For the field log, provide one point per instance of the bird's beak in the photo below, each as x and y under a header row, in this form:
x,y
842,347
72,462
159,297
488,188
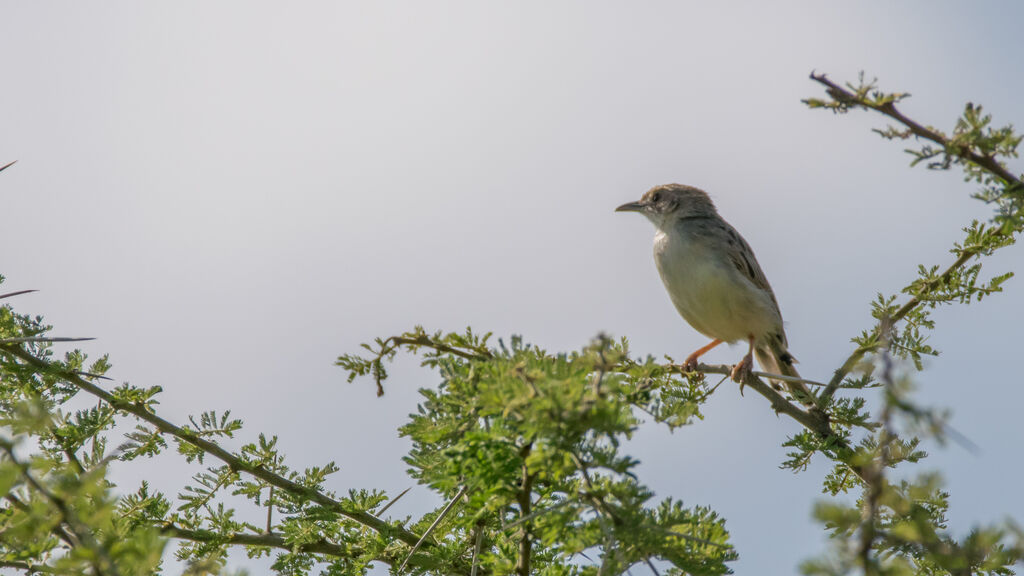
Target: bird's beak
x,y
631,207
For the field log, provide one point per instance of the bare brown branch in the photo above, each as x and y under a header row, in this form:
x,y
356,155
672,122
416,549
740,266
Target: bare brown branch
x,y
889,109
989,163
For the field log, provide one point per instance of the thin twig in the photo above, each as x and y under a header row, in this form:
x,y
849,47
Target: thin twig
x,y
392,343
426,342
277,540
726,370
719,383
784,378
604,513
691,538
533,515
8,165
269,539
433,525
270,510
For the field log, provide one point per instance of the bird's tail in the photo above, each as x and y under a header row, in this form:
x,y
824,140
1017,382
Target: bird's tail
x,y
779,361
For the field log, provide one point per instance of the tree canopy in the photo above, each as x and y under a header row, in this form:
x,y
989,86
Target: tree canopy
x,y
524,446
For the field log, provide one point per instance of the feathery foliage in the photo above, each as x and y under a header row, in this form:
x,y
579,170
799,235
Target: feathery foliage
x,y
526,448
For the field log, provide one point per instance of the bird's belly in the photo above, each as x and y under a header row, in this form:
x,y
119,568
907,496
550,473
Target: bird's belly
x,y
713,297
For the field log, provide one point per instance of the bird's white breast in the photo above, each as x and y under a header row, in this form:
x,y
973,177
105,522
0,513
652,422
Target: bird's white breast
x,y
709,292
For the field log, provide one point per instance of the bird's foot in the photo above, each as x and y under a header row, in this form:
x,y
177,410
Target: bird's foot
x,y
741,371
690,364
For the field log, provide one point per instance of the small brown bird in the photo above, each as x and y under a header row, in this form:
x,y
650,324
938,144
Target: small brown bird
x,y
715,282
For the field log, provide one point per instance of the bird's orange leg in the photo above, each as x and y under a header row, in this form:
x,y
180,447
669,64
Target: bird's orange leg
x,y
690,364
741,371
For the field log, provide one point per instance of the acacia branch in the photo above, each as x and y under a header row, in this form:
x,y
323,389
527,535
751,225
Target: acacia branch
x,y
140,411
814,420
58,530
874,478
270,540
426,342
276,540
984,161
858,354
25,566
389,345
523,499
888,108
448,508
81,534
874,472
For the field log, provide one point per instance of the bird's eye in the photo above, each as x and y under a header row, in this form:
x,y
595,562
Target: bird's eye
x,y
656,197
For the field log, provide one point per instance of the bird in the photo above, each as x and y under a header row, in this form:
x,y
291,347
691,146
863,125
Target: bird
x,y
716,284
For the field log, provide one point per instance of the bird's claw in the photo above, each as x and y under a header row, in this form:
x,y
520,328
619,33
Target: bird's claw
x,y
692,361
741,372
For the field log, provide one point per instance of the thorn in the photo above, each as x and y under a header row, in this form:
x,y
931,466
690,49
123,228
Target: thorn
x,y
41,339
19,292
91,375
437,521
393,500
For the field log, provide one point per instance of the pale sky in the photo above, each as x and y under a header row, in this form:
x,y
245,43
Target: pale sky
x,y
229,195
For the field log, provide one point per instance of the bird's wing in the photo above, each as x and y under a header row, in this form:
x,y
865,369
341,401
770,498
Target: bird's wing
x,y
742,257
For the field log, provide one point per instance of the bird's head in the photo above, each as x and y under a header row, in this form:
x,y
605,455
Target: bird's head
x,y
670,202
